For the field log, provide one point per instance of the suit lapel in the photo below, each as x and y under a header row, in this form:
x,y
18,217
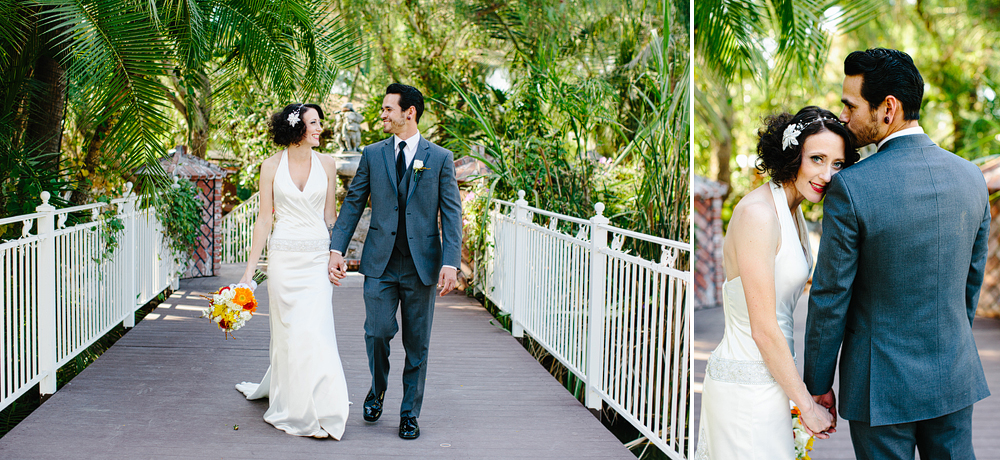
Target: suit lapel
x,y
390,164
421,155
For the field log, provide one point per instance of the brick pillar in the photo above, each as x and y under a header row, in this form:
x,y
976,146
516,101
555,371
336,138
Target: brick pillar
x,y
989,296
217,227
709,274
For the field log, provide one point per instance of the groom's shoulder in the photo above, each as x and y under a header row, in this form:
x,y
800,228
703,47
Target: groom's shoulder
x,y
378,145
436,148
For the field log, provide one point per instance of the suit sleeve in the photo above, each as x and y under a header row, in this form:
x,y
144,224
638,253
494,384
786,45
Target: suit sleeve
x,y
354,205
450,204
830,296
978,266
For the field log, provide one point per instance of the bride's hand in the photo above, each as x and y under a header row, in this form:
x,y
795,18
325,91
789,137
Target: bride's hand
x,y
818,421
246,279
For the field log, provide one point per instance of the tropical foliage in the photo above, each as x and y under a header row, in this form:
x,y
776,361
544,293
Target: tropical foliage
x,y
92,89
750,65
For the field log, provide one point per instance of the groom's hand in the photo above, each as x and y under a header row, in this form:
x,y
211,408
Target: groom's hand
x,y
337,268
829,401
447,280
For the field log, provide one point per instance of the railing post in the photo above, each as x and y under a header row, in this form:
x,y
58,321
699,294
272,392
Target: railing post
x,y
520,268
175,269
127,211
598,287
46,285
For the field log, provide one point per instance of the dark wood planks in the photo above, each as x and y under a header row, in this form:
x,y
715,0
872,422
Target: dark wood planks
x,y
165,390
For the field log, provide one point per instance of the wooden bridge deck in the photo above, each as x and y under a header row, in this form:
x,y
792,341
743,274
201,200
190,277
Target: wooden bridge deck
x,y
708,329
165,390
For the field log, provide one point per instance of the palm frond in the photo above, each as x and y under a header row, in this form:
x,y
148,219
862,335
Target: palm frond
x,y
117,54
727,36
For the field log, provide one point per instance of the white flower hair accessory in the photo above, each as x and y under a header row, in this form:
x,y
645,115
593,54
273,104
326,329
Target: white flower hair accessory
x,y
791,135
293,118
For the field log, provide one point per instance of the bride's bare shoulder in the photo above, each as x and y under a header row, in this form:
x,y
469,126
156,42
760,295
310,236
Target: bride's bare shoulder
x,y
755,212
271,162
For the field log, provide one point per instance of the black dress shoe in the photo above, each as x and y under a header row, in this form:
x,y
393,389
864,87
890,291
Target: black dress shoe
x,y
373,406
408,428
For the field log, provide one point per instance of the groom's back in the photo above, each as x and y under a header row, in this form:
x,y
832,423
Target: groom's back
x,y
920,212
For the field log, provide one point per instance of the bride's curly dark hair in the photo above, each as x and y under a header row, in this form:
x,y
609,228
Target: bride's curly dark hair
x,y
284,134
782,164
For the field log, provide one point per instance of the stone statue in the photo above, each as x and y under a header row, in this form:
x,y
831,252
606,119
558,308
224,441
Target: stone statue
x,y
337,125
349,123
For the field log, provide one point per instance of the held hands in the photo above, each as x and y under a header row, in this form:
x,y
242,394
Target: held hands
x,y
337,268
820,423
447,280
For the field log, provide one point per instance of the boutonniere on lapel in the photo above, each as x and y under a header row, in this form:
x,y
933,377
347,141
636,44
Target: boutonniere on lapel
x,y
418,167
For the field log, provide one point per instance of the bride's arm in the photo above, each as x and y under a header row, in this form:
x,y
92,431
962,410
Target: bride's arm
x,y
330,208
265,217
756,243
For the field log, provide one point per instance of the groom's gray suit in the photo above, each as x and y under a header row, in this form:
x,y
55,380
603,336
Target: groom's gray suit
x,y
897,280
401,264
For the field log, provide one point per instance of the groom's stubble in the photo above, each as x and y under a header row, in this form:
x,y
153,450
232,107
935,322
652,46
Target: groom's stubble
x,y
395,126
866,133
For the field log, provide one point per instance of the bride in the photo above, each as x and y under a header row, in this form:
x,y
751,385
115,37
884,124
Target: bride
x,y
751,375
305,382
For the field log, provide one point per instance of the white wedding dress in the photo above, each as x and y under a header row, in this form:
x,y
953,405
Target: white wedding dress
x,y
744,412
305,382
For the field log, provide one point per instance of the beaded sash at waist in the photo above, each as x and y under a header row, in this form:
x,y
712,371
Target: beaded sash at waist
x,y
737,371
280,244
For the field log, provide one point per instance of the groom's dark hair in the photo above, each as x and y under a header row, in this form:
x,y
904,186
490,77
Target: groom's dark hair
x,y
408,97
887,72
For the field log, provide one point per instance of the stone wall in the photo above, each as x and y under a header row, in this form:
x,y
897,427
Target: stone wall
x,y
708,273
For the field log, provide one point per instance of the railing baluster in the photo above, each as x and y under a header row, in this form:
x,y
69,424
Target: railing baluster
x,y
598,266
46,286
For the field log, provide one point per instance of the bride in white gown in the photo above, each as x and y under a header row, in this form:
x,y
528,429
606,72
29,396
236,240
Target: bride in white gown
x,y
751,375
305,382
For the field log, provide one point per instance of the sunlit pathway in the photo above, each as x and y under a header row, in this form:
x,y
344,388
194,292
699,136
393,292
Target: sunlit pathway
x,y
708,328
165,390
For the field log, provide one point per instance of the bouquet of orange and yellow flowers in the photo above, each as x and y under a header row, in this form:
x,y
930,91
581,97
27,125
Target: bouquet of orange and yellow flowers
x,y
803,440
232,306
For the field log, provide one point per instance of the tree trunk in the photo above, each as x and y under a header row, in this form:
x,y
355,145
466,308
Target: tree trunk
x,y
44,125
199,116
724,152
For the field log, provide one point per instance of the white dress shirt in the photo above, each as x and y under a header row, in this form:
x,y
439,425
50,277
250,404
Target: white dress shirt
x,y
410,150
900,133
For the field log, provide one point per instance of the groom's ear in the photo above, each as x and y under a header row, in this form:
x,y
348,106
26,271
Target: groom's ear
x,y
891,108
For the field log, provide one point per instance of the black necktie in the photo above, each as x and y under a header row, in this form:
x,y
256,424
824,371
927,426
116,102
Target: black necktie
x,y
400,162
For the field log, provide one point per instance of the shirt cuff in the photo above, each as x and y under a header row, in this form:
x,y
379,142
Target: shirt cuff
x,y
336,251
449,266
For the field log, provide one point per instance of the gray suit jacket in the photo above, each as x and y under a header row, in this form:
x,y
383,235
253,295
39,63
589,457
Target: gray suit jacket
x,y
897,281
432,190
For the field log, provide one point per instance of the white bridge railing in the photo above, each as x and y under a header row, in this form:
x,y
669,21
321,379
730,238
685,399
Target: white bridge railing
x,y
60,292
620,323
237,231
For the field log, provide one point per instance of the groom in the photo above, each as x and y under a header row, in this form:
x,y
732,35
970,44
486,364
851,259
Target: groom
x,y
410,181
898,275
